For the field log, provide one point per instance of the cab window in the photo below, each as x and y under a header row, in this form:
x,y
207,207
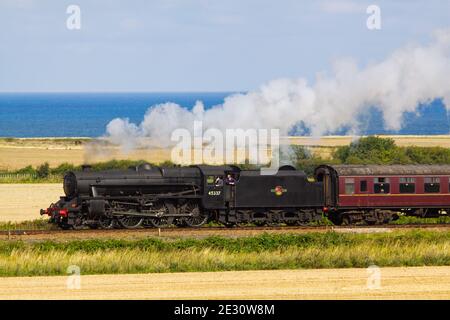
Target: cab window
x,y
218,182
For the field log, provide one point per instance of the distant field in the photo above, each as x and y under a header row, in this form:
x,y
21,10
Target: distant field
x,y
17,153
19,202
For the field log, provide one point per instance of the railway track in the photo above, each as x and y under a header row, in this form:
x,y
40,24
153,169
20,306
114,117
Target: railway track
x,y
199,230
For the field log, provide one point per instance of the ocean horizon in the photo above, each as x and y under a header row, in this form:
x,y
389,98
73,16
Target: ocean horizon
x,y
73,114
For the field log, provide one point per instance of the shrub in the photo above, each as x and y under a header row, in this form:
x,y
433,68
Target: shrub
x,y
43,170
377,150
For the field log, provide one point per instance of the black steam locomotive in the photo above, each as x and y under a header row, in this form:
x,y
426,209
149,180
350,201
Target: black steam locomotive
x,y
149,196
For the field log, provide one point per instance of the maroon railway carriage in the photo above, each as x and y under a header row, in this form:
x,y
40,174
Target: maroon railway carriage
x,y
379,193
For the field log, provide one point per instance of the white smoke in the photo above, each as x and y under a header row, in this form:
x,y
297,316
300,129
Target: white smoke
x,y
408,77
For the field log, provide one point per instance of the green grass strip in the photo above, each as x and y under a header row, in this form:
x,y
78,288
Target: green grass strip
x,y
315,250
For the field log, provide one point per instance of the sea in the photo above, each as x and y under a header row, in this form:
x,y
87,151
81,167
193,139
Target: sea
x,y
87,114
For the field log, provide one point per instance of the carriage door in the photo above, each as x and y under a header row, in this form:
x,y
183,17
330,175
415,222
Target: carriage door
x,y
327,189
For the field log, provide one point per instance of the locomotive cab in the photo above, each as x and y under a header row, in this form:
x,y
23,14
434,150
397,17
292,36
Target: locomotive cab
x,y
218,192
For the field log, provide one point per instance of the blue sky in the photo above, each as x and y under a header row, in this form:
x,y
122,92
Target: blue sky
x,y
196,45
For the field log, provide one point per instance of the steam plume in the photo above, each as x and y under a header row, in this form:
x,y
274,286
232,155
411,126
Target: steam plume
x,y
409,76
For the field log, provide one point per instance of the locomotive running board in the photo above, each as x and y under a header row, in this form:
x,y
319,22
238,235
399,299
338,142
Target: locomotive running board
x,y
149,215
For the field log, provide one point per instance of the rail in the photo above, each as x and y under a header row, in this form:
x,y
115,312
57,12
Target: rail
x,y
243,228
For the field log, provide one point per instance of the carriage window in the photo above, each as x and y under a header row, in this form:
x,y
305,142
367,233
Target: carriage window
x,y
407,185
349,186
432,185
363,186
381,185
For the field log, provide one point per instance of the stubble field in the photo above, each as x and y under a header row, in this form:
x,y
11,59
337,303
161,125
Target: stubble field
x,y
395,283
21,202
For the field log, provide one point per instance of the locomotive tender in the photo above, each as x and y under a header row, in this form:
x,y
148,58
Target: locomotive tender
x,y
150,196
